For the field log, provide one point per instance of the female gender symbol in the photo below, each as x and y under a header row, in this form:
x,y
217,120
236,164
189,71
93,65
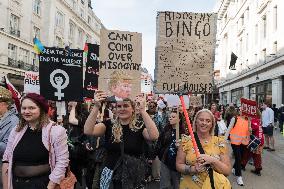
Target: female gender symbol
x,y
58,82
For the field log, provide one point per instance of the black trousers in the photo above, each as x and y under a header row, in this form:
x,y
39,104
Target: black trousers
x,y
238,152
38,182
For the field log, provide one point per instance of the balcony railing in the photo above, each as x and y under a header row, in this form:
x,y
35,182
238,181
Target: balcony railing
x,y
21,65
15,32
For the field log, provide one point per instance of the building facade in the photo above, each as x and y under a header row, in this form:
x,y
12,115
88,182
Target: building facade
x,y
56,23
252,30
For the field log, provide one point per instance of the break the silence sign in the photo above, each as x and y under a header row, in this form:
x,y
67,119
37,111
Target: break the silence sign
x,y
61,74
185,52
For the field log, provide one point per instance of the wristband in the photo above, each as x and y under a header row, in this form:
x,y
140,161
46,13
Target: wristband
x,y
187,169
97,104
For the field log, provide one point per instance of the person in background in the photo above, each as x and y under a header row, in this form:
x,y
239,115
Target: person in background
x,y
125,132
275,110
267,126
28,161
161,120
167,150
78,152
193,170
153,160
239,132
281,117
256,155
217,116
8,120
230,113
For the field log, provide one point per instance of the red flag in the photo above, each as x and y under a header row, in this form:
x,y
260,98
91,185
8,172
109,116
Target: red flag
x,y
86,48
15,94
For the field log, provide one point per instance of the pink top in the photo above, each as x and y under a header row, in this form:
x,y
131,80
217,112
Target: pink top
x,y
257,129
59,151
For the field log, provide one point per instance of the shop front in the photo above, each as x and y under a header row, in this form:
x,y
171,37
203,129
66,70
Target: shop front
x,y
261,92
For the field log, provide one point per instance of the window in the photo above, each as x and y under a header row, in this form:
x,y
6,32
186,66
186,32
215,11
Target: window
x,y
264,23
255,58
71,30
36,7
247,42
275,19
264,55
14,24
59,20
82,12
80,37
24,55
58,42
274,48
73,3
89,20
35,62
12,51
88,39
83,2
256,34
36,32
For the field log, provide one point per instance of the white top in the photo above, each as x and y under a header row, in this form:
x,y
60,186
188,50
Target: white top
x,y
267,117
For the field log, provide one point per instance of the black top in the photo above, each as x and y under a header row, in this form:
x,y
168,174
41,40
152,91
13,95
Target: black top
x,y
133,143
30,150
166,146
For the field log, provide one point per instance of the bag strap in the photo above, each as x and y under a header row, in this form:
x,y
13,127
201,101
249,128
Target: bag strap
x,y
201,150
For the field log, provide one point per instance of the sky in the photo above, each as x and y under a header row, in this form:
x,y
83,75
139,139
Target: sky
x,y
140,16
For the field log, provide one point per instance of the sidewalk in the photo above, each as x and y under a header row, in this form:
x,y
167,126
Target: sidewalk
x,y
273,169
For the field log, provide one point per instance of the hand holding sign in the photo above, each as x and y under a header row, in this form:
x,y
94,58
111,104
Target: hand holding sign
x,y
140,103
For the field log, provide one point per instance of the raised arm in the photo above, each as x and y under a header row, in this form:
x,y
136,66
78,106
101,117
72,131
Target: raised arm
x,y
151,132
91,127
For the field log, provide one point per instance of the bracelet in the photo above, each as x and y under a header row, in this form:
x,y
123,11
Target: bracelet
x,y
187,169
5,161
97,104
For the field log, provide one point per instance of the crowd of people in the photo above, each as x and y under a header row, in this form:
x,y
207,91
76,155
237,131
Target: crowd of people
x,y
128,143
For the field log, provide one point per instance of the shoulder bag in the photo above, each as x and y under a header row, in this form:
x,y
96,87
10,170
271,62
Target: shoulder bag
x,y
68,182
214,180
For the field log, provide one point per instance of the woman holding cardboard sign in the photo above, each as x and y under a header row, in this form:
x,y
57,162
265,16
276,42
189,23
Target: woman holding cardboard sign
x,y
194,170
124,141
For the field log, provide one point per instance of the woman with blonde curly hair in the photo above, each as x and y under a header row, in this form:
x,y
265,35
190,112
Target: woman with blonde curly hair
x,y
126,134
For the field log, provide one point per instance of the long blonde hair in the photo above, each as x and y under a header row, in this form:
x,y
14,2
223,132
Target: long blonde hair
x,y
212,120
134,124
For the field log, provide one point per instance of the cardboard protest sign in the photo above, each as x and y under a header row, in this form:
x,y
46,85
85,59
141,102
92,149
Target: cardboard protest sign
x,y
248,107
195,101
31,82
185,52
120,61
92,71
61,74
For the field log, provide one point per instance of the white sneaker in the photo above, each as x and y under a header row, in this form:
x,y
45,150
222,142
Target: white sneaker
x,y
233,171
240,181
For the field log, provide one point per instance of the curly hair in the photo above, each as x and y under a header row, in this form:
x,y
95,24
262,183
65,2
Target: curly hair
x,y
43,119
134,124
212,120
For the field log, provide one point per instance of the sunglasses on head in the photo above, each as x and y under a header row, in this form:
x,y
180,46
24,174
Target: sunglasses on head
x,y
122,105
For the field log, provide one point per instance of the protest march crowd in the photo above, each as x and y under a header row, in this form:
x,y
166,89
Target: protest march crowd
x,y
51,137
126,144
